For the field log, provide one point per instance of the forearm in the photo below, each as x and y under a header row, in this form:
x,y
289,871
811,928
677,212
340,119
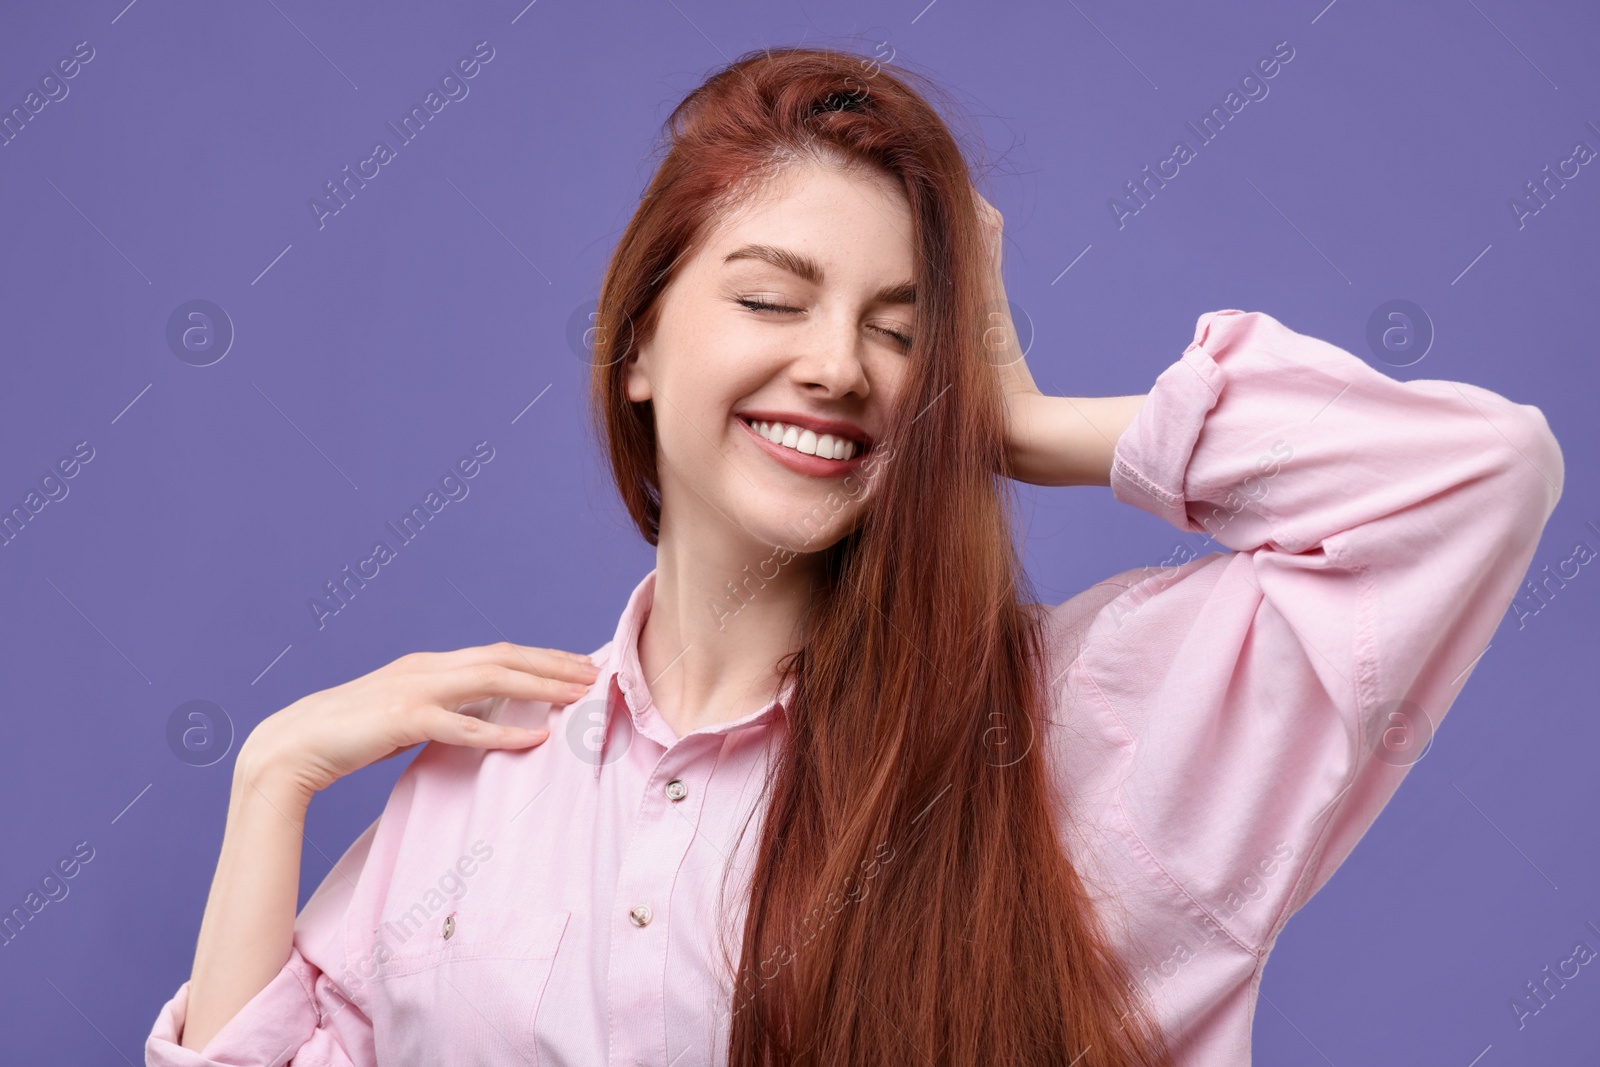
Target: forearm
x,y
1060,440
248,926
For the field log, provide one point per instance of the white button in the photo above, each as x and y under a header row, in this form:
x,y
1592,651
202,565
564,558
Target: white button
x,y
676,790
640,915
449,926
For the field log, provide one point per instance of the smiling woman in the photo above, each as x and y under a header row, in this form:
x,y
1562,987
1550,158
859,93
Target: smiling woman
x,y
827,276
987,830
778,342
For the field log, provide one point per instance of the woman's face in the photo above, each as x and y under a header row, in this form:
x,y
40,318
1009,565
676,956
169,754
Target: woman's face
x,y
831,251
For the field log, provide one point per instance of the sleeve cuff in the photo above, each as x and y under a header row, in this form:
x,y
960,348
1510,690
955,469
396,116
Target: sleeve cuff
x,y
266,1032
1151,457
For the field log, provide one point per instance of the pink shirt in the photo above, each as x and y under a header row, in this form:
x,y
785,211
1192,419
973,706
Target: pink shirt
x,y
1226,728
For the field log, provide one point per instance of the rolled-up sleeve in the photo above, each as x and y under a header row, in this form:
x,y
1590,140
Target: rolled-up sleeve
x,y
302,1016
1276,694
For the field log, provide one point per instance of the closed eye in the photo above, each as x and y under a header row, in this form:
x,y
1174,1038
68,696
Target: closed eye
x,y
761,305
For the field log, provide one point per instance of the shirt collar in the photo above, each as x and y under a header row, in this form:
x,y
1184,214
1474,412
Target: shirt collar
x,y
622,680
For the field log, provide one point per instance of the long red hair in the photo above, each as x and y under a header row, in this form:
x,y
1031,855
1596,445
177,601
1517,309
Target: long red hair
x,y
911,898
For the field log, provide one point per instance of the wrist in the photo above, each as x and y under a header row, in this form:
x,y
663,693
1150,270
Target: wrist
x,y
259,773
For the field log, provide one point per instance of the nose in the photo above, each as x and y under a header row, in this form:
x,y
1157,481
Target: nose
x,y
829,360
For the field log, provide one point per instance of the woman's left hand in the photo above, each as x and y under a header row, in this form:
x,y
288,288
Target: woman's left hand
x,y
1049,440
1000,342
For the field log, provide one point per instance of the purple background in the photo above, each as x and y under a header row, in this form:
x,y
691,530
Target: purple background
x,y
371,354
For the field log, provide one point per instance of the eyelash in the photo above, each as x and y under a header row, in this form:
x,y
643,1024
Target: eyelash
x,y
762,305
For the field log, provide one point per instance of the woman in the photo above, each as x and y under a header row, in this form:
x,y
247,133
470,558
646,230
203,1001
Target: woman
x,y
837,792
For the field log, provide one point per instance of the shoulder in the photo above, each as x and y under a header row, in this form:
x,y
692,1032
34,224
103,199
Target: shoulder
x,y
447,787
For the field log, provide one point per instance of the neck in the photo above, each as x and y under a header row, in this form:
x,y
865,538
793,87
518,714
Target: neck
x,y
723,614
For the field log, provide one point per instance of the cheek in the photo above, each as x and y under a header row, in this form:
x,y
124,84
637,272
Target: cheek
x,y
697,440
892,378
681,434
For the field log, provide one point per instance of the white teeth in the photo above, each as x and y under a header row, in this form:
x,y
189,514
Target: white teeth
x,y
807,441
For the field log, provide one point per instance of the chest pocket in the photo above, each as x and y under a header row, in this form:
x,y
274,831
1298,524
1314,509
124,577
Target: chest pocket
x,y
470,998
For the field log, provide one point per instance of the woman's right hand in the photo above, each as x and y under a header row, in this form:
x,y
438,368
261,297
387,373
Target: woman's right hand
x,y
322,737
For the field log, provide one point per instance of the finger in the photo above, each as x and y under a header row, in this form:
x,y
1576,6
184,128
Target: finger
x,y
465,684
453,729
545,662
530,657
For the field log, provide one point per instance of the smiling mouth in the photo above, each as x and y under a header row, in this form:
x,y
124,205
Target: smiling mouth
x,y
807,442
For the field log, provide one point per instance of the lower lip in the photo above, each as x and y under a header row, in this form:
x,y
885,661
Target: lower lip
x,y
799,462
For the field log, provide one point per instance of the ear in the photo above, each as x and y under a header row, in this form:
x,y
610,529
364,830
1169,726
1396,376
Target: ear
x,y
635,377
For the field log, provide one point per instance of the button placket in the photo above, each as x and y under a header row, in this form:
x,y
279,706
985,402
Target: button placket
x,y
659,844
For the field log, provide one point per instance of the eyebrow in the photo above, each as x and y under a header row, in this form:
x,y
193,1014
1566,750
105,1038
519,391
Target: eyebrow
x,y
808,269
